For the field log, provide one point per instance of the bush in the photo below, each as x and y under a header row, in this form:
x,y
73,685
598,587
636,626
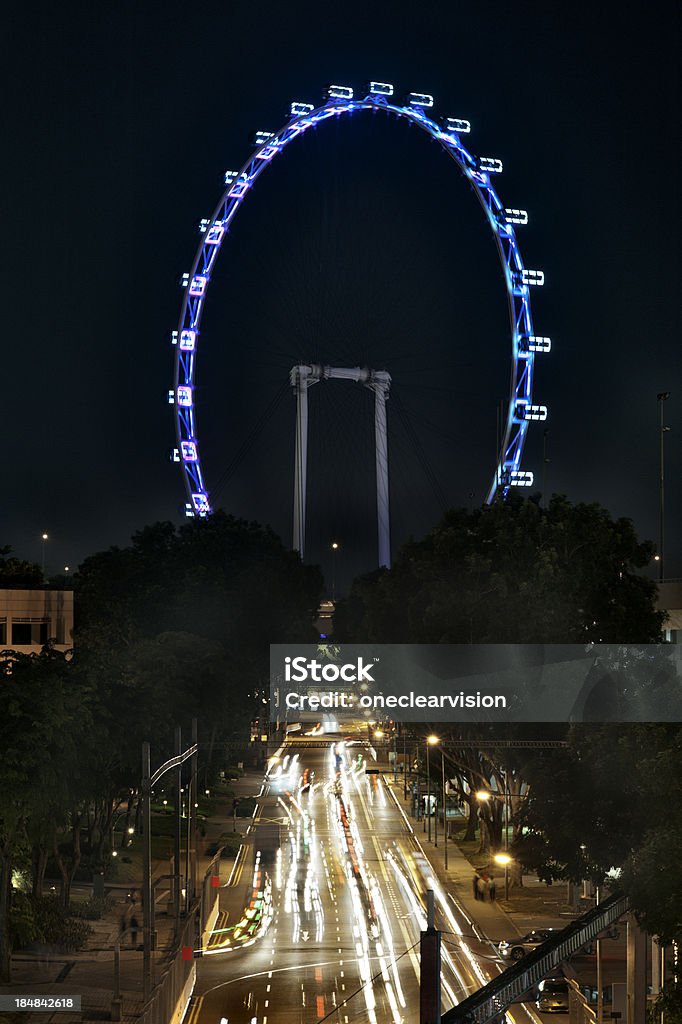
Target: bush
x,y
92,909
54,926
245,806
23,928
231,841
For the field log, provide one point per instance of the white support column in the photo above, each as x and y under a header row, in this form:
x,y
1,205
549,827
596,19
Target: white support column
x,y
636,971
301,378
380,383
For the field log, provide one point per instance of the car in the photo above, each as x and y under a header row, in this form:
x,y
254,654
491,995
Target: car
x,y
516,949
553,995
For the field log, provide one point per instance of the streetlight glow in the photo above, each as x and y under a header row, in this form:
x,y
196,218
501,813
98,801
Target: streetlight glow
x,y
482,794
502,858
431,740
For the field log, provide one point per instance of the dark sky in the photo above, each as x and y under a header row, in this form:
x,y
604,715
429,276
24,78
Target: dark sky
x,y
361,245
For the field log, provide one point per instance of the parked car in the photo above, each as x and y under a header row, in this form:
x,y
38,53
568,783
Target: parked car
x,y
515,949
553,995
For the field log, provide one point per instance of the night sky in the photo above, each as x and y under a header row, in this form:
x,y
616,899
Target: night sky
x,y
361,245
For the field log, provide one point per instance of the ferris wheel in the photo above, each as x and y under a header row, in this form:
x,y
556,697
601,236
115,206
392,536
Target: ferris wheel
x,y
416,108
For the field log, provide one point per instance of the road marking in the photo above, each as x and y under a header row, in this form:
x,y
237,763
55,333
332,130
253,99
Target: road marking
x,y
195,1010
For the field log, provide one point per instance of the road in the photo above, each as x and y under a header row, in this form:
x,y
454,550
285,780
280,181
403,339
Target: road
x,y
333,881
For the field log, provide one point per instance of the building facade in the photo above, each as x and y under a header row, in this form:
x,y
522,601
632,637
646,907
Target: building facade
x,y
29,617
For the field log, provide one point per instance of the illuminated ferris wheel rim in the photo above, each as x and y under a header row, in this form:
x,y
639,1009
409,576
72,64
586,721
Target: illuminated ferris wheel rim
x,y
518,279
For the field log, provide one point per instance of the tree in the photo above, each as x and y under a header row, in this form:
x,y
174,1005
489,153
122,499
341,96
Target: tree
x,y
43,714
15,572
611,799
511,572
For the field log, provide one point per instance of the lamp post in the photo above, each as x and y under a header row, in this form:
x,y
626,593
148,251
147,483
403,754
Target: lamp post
x,y
43,538
430,742
484,795
335,548
505,859
662,397
445,808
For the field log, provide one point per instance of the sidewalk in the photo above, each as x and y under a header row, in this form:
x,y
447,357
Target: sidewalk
x,y
90,972
535,905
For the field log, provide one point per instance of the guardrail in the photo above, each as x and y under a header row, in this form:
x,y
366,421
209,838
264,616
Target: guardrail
x,y
169,999
493,999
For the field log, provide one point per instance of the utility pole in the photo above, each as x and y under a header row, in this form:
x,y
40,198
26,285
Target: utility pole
x,y
445,809
147,872
178,829
429,976
662,397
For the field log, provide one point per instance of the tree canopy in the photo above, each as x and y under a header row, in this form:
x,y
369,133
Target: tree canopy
x,y
511,572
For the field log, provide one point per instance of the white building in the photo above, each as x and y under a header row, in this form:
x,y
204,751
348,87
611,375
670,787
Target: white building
x,y
29,617
670,601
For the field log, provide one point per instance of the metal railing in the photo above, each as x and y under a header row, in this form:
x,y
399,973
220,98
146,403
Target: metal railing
x,y
493,999
163,1005
209,897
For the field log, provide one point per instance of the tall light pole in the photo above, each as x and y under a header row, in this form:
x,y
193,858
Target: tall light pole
x,y
445,808
501,858
662,397
505,859
43,538
335,548
430,742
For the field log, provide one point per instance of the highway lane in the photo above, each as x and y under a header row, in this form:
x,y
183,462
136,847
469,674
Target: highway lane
x,y
336,881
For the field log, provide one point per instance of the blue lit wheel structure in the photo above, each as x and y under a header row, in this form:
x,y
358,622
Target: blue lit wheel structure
x,y
518,279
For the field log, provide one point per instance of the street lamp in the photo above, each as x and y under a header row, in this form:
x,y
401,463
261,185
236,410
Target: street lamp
x,y
335,548
430,742
483,795
662,397
43,538
504,858
445,807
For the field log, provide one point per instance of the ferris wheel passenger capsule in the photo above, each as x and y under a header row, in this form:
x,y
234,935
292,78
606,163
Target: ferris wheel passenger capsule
x,y
534,278
215,233
299,109
198,285
513,216
259,138
201,503
419,99
338,92
535,412
188,451
380,89
184,396
521,478
490,164
188,340
457,124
